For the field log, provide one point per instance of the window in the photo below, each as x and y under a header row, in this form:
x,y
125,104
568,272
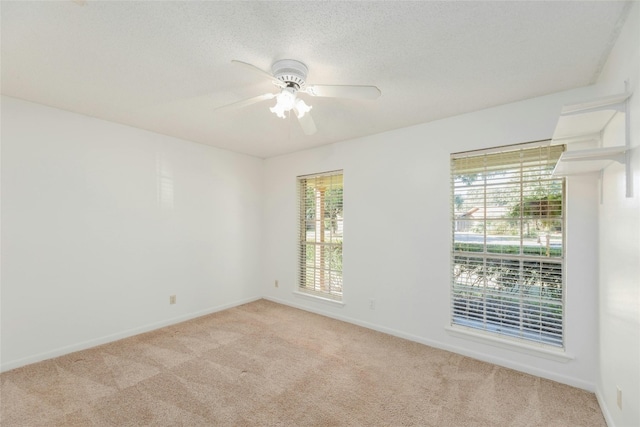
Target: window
x,y
320,234
508,242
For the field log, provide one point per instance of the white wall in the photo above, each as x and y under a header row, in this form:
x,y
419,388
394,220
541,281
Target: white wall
x,y
397,232
102,222
619,289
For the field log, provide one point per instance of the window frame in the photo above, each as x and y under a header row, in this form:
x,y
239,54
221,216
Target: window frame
x,y
491,329
325,279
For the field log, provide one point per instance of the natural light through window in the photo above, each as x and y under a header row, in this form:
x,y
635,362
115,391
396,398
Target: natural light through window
x,y
320,234
508,243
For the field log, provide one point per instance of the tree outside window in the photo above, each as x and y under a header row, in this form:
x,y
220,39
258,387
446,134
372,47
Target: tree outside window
x,y
508,239
320,236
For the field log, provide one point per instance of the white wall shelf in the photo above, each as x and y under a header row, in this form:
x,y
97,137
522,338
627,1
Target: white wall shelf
x,y
586,122
587,161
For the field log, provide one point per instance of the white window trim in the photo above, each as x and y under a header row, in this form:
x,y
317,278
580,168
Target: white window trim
x,y
313,294
523,345
526,347
312,297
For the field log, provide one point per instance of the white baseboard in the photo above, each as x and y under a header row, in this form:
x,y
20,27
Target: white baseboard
x,y
118,336
604,408
574,382
436,344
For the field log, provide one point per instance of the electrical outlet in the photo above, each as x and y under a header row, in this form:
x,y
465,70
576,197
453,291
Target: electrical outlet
x,y
276,284
372,304
619,397
172,299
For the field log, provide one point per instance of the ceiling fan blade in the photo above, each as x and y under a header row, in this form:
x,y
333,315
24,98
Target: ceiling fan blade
x,y
261,72
343,91
307,124
247,102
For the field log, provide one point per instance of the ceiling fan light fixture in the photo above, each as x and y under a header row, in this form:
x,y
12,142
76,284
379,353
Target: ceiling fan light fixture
x,y
302,108
290,76
278,110
286,101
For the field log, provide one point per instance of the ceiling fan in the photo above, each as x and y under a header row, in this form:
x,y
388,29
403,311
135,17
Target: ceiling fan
x,y
290,76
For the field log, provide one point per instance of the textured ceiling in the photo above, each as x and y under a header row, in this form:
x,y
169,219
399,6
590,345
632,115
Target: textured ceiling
x,y
166,66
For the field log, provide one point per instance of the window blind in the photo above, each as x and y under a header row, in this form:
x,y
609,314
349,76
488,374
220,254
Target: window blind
x,y
320,201
508,242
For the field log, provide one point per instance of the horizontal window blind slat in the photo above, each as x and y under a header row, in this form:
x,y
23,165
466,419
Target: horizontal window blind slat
x,y
320,201
507,211
520,159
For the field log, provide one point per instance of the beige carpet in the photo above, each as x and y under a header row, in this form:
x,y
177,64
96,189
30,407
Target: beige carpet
x,y
265,364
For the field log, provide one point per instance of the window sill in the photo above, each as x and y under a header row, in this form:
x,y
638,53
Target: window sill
x,y
318,298
558,355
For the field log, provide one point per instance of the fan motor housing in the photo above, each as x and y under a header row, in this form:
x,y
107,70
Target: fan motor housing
x,y
291,72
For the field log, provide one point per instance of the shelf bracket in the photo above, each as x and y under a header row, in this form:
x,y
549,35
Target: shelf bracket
x,y
586,122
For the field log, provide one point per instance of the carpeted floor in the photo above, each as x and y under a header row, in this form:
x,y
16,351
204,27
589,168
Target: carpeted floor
x,y
265,364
